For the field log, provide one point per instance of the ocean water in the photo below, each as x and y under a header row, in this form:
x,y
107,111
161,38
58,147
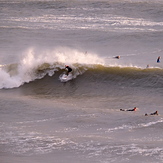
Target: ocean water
x,y
45,120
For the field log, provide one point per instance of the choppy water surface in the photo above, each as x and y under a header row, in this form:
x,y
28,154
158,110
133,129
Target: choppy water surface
x,y
43,119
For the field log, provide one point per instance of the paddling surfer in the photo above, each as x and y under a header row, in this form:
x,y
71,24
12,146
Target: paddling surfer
x,y
117,57
134,109
155,113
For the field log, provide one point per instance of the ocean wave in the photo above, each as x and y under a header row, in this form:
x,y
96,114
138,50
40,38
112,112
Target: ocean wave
x,y
33,66
15,75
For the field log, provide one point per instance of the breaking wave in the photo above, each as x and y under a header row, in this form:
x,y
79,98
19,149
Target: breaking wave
x,y
52,63
33,66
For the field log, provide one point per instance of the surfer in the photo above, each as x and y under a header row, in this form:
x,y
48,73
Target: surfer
x,y
69,69
158,59
134,109
155,113
117,57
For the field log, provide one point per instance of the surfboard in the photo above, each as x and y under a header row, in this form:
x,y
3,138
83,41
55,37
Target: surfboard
x,y
65,78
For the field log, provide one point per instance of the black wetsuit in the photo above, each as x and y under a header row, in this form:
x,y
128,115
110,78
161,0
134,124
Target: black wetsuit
x,y
127,110
158,60
69,69
155,113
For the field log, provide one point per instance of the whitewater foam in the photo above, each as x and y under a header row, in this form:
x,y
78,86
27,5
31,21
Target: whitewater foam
x,y
52,60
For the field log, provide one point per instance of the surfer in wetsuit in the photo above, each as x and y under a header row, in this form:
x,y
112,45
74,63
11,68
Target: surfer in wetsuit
x,y
134,109
155,113
69,69
158,59
118,57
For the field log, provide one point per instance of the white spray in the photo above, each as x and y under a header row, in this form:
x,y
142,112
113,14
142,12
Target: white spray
x,y
25,71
